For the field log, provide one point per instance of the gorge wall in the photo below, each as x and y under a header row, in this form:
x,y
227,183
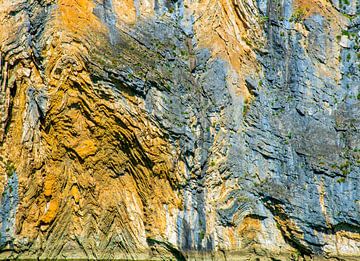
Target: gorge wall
x,y
164,129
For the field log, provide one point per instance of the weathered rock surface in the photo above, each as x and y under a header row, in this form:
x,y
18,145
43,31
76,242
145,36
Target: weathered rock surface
x,y
215,129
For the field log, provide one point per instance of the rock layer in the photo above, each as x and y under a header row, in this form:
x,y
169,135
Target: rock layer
x,y
216,129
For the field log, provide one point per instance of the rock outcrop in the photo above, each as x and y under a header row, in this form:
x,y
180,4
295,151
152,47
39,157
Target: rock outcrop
x,y
215,129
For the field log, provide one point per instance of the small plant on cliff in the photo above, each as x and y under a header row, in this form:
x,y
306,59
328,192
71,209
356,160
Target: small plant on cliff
x,y
183,52
341,180
289,135
346,33
10,168
298,15
345,168
296,256
171,9
348,57
245,110
247,41
202,235
263,19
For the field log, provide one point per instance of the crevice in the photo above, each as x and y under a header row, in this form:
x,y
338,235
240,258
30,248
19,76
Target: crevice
x,y
169,247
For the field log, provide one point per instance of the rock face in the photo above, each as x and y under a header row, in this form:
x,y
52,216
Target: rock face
x,y
215,129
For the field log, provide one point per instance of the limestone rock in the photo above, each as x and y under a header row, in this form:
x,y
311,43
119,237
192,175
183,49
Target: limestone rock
x,y
216,129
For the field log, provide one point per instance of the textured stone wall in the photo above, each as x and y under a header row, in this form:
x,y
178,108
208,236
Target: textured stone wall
x,y
215,129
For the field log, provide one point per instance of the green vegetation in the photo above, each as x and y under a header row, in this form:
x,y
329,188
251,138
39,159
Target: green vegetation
x,y
263,19
356,149
351,17
289,135
245,109
348,57
279,111
297,255
183,52
298,15
341,180
171,9
247,41
346,33
201,235
345,168
10,168
168,87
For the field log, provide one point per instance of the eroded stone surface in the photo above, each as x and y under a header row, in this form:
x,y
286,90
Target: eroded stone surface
x,y
220,129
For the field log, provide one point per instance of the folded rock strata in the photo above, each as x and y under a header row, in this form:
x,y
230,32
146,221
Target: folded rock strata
x,y
215,129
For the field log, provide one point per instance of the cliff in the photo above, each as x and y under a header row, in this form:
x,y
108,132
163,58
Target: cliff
x,y
212,129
